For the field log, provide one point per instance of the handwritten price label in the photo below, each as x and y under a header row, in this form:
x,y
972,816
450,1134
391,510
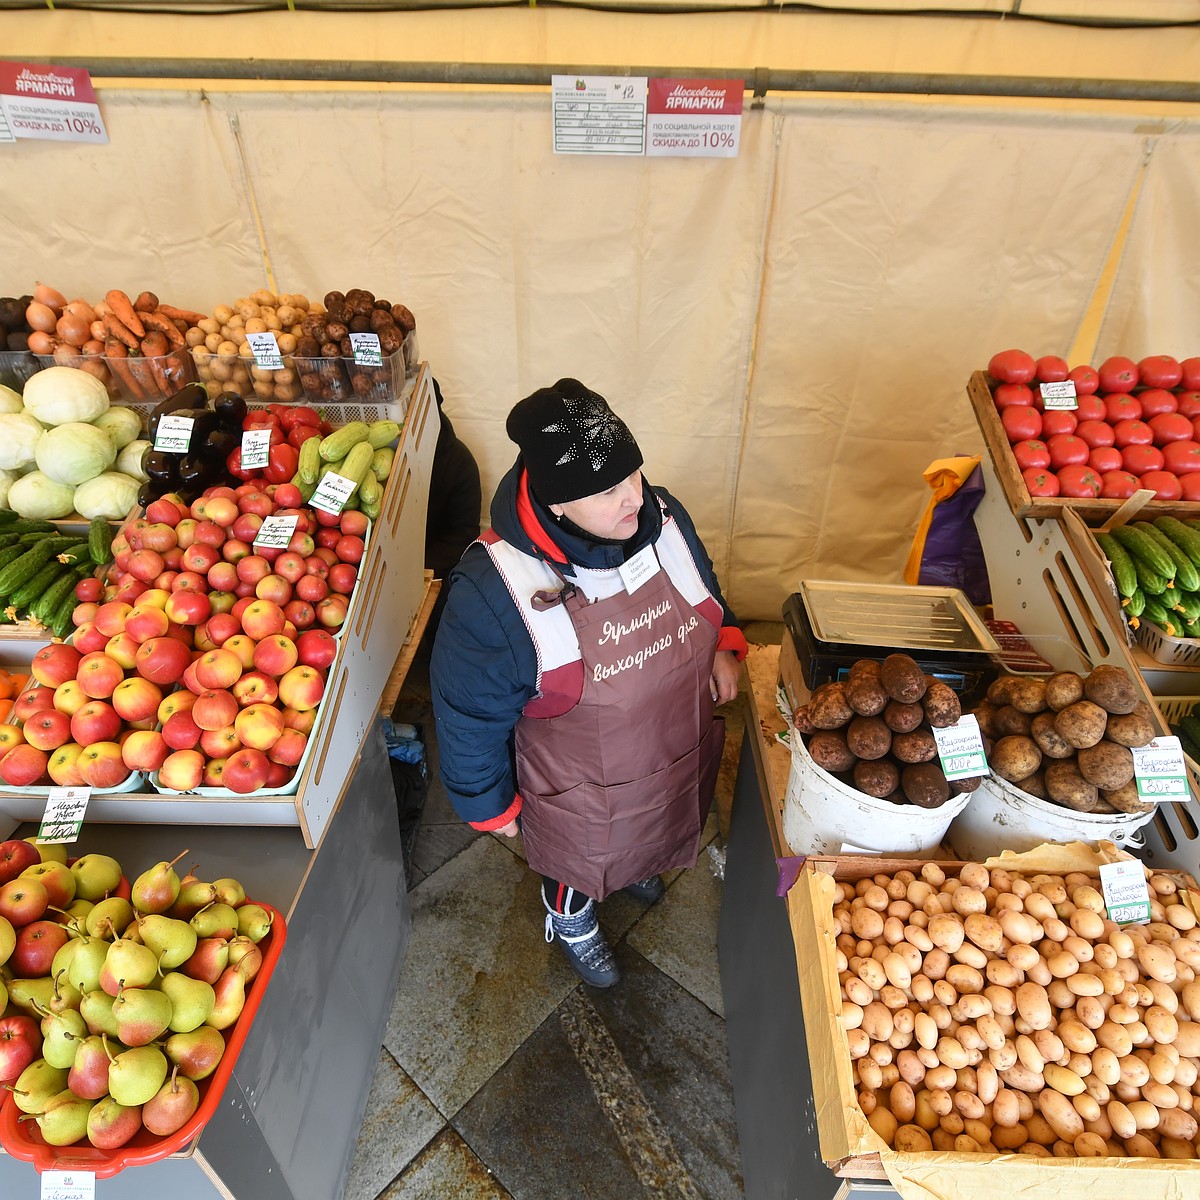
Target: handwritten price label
x,y
1160,772
366,349
1059,395
276,532
1126,894
960,748
266,350
63,815
68,1185
332,493
256,448
174,434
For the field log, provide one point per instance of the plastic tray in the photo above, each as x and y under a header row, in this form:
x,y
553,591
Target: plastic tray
x,y
17,367
134,380
22,1139
1163,648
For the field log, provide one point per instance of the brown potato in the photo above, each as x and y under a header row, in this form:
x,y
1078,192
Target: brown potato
x,y
1062,689
1051,743
925,785
1067,787
941,704
879,778
985,714
868,737
1106,764
1015,757
1126,799
902,678
1112,689
915,747
828,708
903,718
1028,695
1131,729
1009,721
1034,785
864,693
1081,724
959,787
800,720
1000,689
829,750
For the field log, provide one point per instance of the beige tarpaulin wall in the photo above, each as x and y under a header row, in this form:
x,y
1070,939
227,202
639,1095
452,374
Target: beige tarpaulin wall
x,y
789,333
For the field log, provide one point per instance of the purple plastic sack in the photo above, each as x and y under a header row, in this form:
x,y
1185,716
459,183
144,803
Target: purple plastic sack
x,y
953,555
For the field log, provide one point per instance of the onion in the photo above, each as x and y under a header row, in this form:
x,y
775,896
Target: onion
x,y
93,347
97,331
43,293
81,308
40,342
65,355
41,316
72,328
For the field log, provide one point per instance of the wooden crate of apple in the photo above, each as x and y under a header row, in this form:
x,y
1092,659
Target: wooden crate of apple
x,y
189,600
118,997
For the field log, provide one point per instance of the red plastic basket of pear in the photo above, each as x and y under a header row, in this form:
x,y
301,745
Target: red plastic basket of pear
x,y
128,1005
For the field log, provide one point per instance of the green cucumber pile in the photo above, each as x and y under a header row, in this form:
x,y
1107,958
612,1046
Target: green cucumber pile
x,y
1187,730
357,451
40,566
1156,567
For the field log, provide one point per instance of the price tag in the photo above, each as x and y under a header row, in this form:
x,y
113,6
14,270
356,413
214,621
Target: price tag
x,y
65,809
366,349
332,493
256,448
1159,771
960,748
174,433
276,531
1125,892
1059,395
68,1185
266,351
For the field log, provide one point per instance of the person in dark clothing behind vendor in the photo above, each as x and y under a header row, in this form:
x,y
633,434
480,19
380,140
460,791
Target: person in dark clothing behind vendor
x,y
455,504
585,638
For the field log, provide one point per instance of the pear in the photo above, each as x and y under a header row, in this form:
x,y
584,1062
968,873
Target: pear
x,y
65,995
64,1118
83,971
230,991
191,1001
96,1008
172,1106
245,954
96,876
229,891
155,890
193,896
109,918
210,958
110,1124
254,921
28,995
136,1074
61,1033
63,956
130,963
77,911
197,1053
215,920
36,1084
88,1076
141,1015
173,941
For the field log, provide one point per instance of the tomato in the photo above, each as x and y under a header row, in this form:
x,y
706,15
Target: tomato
x,y
1087,380
1160,371
1140,458
1164,484
1040,483
1067,450
1080,481
1118,485
1021,424
299,414
1181,457
1190,486
1058,420
300,434
1095,433
282,465
1091,408
1190,368
1189,403
1120,407
1008,394
1157,401
1031,454
1012,366
1051,369
1105,458
1171,427
1118,374
1132,433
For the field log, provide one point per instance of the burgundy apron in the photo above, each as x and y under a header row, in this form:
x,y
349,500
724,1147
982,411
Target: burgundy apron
x,y
618,788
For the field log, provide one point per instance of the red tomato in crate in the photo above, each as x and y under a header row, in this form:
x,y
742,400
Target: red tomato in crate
x,y
1040,483
1165,485
1190,486
260,418
1140,458
1032,453
1051,369
1190,367
1021,423
1067,450
1118,485
1189,403
1120,407
1105,458
1156,401
1079,481
1012,366
1183,458
1171,427
1008,394
1091,408
1160,371
1086,379
1058,420
1118,374
1095,433
1132,433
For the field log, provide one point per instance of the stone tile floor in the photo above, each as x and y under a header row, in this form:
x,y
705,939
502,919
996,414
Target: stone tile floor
x,y
501,1075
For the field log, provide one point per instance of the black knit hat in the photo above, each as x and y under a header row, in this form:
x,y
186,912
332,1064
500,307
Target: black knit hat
x,y
573,444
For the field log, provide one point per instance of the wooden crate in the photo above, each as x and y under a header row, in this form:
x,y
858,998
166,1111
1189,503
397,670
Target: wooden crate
x,y
1022,504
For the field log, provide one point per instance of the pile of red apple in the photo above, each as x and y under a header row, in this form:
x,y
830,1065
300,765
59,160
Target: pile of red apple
x,y
201,657
1137,425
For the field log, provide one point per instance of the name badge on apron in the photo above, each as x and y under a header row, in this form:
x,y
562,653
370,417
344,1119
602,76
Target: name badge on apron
x,y
642,566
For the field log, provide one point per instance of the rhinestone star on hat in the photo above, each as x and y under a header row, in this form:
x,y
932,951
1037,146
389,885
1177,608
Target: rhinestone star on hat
x,y
597,430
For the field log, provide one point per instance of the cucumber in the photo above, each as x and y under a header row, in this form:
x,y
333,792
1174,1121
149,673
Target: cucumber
x,y
340,442
1146,549
10,554
99,541
1135,603
47,604
1151,583
1190,724
7,516
1186,575
22,569
1188,744
1157,615
1188,540
37,583
1186,604
1124,574
76,554
28,525
60,621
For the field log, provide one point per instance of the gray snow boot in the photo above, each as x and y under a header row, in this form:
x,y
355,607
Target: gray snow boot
x,y
647,890
583,943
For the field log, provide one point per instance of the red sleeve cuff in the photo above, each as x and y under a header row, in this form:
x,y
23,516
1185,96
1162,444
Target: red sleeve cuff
x,y
732,638
509,814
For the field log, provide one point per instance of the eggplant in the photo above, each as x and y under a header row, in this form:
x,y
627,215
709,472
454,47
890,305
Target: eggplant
x,y
231,410
148,493
194,471
220,443
160,466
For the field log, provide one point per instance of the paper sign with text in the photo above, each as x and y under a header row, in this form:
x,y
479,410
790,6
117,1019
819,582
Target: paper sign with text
x,y
49,103
332,492
1160,772
366,349
256,448
276,531
960,748
68,1185
267,355
64,813
174,433
694,118
1059,395
599,114
1126,894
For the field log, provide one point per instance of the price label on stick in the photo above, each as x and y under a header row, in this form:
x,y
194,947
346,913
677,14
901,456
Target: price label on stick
x,y
960,748
266,351
1126,895
64,813
174,433
366,349
276,532
256,448
1059,395
68,1185
333,491
1159,771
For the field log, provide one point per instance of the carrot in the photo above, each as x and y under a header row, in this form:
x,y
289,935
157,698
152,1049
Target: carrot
x,y
146,302
117,357
154,320
123,308
180,314
154,344
115,328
